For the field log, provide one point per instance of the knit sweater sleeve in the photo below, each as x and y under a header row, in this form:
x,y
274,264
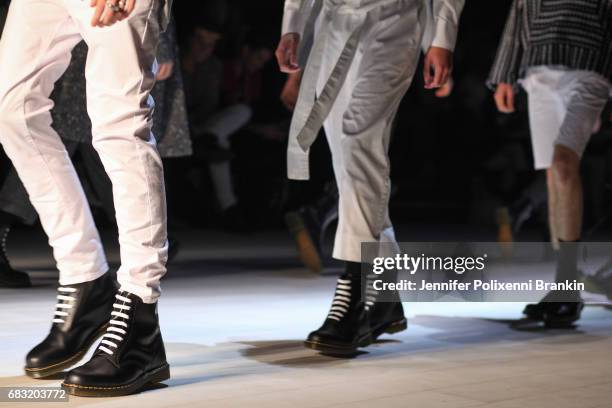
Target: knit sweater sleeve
x,y
510,52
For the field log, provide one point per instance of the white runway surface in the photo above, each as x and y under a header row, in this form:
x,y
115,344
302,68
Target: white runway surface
x,y
233,326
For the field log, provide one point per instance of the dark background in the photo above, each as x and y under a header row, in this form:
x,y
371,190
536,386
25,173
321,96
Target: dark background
x,y
455,161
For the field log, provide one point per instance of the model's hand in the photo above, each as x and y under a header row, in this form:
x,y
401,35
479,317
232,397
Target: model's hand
x,y
438,67
504,98
445,90
291,90
104,15
164,70
286,53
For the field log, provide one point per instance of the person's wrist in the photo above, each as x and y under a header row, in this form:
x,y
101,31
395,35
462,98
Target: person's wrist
x,y
294,78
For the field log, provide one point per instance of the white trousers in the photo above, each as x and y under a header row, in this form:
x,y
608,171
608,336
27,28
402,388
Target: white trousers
x,y
34,52
358,126
564,106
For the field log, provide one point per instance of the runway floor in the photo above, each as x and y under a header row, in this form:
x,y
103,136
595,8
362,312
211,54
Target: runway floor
x,y
235,310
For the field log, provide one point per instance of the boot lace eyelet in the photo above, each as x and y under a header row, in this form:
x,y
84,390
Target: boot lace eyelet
x,y
65,303
117,329
342,300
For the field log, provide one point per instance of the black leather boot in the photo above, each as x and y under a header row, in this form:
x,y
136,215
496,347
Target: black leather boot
x,y
559,309
555,314
385,316
9,277
346,327
80,319
130,356
352,322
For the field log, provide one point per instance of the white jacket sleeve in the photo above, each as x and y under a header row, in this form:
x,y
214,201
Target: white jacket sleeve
x,y
445,14
295,16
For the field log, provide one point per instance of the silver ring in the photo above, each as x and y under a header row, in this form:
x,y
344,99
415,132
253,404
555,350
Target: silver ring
x,y
113,7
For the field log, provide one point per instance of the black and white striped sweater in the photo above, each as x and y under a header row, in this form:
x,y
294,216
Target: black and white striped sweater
x,y
576,34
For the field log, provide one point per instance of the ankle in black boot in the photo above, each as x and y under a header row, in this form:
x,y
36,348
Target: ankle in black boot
x,y
558,309
80,319
385,317
346,327
9,277
555,314
130,356
352,323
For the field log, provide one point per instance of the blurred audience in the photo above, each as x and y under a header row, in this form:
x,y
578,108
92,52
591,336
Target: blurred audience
x,y
222,93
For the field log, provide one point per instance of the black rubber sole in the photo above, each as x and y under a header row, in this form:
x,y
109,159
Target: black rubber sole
x,y
150,378
42,372
337,350
391,328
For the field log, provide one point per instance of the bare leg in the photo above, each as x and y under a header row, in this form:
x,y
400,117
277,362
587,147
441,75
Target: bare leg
x,y
567,189
567,217
552,209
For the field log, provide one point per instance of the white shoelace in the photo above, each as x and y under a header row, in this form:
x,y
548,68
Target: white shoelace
x,y
370,293
342,300
65,303
117,327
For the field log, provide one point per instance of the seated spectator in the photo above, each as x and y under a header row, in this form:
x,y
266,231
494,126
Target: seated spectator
x,y
220,96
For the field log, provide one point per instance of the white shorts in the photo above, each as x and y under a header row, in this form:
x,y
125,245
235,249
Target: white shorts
x,y
564,106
